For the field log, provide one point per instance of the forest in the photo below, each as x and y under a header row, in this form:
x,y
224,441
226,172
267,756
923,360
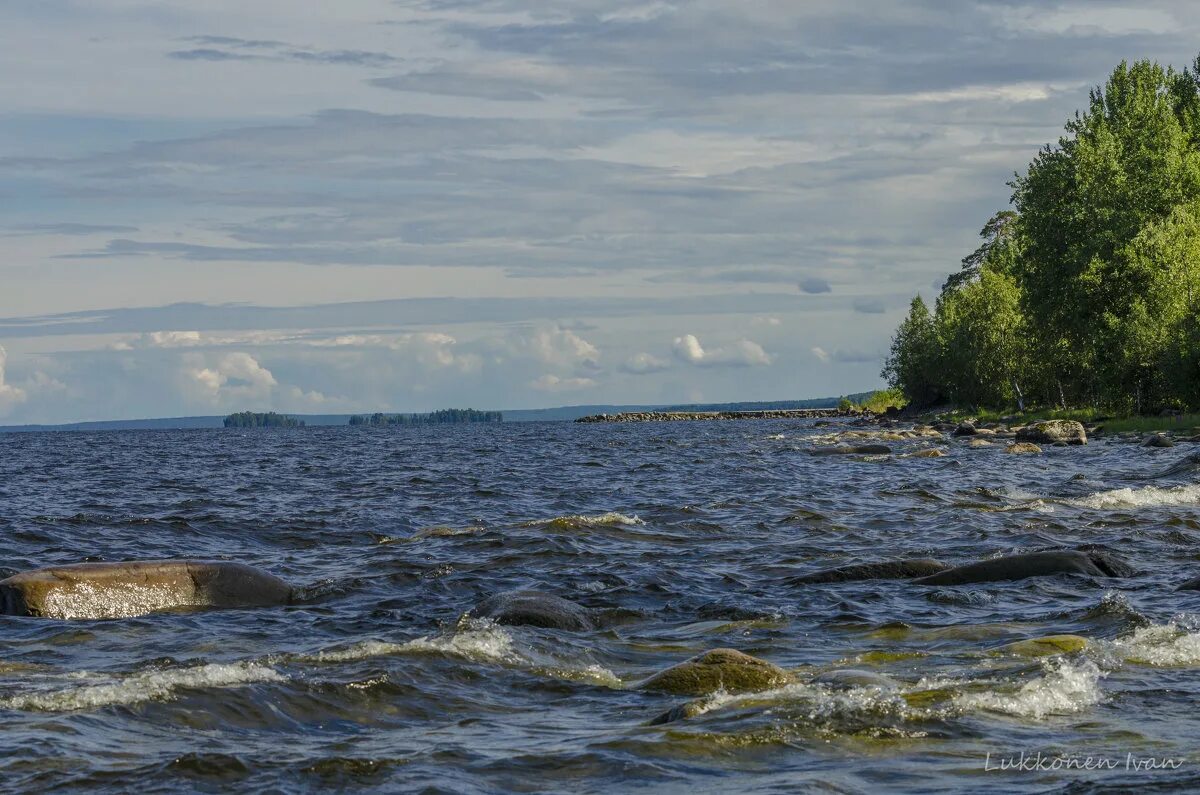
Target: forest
x,y
1082,294
269,419
441,417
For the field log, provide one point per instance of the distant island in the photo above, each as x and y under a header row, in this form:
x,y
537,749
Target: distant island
x,y
442,417
269,419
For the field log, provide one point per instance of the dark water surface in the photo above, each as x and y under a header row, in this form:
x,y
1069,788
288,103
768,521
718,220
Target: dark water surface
x,y
688,532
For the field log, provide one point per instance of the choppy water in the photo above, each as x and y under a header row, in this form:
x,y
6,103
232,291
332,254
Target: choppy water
x,y
690,531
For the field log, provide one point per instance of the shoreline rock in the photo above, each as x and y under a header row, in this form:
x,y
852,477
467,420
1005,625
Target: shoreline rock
x,y
676,416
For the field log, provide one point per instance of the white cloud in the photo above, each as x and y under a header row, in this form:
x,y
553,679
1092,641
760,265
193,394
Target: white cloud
x,y
643,363
235,376
821,354
172,339
743,353
10,395
558,346
554,383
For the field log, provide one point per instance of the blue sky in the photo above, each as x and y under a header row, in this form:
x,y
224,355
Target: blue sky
x,y
416,204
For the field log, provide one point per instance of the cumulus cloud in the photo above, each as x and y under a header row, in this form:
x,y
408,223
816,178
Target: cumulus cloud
x,y
558,346
814,285
743,353
234,376
553,383
10,395
643,363
821,354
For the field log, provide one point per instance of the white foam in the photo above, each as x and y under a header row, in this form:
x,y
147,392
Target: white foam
x,y
1065,688
477,639
143,686
609,518
1148,496
1158,645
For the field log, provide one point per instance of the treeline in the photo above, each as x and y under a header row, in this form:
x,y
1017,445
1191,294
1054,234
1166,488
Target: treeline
x,y
444,416
1083,294
252,419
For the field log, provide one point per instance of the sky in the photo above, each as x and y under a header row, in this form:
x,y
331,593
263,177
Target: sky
x,y
410,205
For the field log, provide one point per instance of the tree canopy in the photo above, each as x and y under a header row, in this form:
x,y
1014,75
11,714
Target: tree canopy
x,y
1083,293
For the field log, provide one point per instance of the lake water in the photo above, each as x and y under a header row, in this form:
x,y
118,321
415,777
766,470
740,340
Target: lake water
x,y
688,534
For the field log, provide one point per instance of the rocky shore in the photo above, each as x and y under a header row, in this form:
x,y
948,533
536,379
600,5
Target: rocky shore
x,y
674,416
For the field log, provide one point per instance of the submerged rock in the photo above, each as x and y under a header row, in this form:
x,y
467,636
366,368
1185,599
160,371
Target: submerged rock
x,y
1158,440
854,449
1053,432
534,609
1023,448
720,669
848,678
979,443
1032,564
123,590
880,570
965,428
1045,647
933,452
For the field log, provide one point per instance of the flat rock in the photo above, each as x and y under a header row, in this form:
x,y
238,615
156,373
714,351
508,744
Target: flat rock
x,y
854,449
879,570
1032,564
124,590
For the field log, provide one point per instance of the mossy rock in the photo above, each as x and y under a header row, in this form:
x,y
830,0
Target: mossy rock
x,y
720,669
1025,448
1045,647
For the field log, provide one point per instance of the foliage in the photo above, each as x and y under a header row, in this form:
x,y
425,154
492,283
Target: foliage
x,y
845,405
1085,293
880,401
442,417
251,419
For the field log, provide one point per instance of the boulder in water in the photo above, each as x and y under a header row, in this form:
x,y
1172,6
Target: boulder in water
x,y
534,609
979,443
965,428
932,452
848,678
854,449
880,570
719,669
1053,432
1023,448
1158,440
1032,564
135,588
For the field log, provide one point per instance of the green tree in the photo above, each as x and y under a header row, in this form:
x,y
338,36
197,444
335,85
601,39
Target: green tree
x,y
1125,164
912,364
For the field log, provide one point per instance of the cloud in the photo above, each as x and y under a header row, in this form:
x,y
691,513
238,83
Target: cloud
x,y
869,306
557,346
554,383
234,376
643,363
228,48
821,354
743,353
10,395
843,356
814,285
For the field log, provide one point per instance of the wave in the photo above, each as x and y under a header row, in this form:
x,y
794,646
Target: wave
x,y
480,640
577,519
1066,687
1161,645
1148,496
143,686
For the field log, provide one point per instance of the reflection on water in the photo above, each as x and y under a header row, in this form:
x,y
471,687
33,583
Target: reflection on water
x,y
685,537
